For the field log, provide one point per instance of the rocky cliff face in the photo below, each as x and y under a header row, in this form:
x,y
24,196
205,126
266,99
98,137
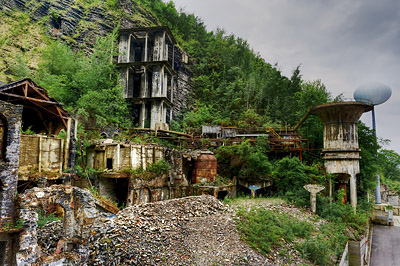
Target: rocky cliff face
x,y
79,23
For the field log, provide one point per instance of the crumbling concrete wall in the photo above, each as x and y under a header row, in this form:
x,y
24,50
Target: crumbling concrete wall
x,y
119,160
79,210
11,116
40,154
118,157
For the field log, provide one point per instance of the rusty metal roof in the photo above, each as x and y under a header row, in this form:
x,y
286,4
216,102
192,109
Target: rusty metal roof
x,y
28,94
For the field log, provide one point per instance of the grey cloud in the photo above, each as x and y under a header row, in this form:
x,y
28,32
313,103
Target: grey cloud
x,y
344,43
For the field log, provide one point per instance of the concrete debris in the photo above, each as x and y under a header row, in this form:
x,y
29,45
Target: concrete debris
x,y
168,233
48,237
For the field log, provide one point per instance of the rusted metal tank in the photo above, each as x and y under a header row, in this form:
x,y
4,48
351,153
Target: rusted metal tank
x,y
205,168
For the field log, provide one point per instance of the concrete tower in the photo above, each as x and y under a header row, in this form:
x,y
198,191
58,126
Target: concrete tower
x,y
341,151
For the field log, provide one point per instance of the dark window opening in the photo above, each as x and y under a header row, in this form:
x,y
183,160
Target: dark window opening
x,y
150,85
169,88
222,194
147,121
137,81
109,163
138,53
170,53
168,116
24,185
150,46
131,84
121,186
135,114
3,247
32,121
187,169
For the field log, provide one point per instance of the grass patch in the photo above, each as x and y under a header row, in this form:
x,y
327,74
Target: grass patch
x,y
43,219
264,229
318,240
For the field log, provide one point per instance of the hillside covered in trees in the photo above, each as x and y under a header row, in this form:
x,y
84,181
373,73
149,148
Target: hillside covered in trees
x,y
70,48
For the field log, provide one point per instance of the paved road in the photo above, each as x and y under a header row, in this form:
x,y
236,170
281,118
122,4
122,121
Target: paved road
x,y
385,246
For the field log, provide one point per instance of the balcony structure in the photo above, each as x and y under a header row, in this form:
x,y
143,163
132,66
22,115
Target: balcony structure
x,y
146,60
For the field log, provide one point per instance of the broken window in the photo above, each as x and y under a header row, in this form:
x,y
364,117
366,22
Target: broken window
x,y
135,114
137,81
109,163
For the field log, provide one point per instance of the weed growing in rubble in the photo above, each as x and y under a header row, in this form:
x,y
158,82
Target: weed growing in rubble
x,y
43,219
153,170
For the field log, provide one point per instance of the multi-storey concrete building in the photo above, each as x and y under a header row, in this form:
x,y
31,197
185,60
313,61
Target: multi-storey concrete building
x,y
147,62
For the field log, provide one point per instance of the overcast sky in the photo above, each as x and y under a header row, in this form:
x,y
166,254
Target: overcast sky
x,y
345,43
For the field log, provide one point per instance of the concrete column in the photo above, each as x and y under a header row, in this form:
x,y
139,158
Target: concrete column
x,y
143,157
128,55
131,192
353,192
313,189
145,59
142,116
313,201
162,50
123,48
118,163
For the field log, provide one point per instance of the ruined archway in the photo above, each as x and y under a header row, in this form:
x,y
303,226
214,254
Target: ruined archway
x,y
145,195
79,209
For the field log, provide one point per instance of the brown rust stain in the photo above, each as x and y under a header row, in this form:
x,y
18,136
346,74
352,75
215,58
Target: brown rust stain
x,y
205,169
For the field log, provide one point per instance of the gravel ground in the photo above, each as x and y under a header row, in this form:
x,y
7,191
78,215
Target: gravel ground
x,y
186,231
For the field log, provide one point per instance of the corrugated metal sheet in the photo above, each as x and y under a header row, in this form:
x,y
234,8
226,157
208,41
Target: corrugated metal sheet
x,y
205,129
229,133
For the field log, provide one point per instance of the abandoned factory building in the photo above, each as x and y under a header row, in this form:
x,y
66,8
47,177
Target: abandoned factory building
x,y
154,75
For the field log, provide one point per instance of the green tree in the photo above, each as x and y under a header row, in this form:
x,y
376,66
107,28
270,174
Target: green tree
x,y
244,161
389,164
311,94
290,176
88,85
368,163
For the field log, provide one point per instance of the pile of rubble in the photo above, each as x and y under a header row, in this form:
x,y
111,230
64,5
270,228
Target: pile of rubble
x,y
48,237
186,231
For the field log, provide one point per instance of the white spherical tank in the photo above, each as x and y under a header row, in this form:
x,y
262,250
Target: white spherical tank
x,y
374,93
